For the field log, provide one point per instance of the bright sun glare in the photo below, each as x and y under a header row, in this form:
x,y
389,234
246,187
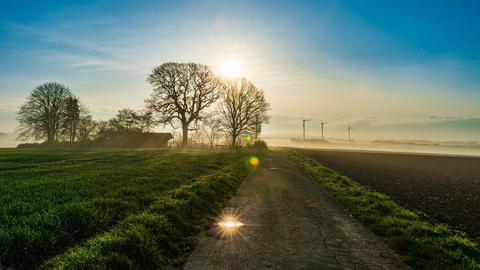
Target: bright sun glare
x,y
229,225
231,69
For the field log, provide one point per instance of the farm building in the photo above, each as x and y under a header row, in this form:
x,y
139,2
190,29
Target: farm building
x,y
137,140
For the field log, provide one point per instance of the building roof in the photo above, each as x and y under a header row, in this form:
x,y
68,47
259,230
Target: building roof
x,y
137,140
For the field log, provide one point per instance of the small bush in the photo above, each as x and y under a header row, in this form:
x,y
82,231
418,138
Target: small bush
x,y
259,144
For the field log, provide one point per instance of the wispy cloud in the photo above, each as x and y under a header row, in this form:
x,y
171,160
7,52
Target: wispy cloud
x,y
10,104
319,63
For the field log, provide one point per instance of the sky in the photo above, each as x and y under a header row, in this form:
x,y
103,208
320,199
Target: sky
x,y
388,68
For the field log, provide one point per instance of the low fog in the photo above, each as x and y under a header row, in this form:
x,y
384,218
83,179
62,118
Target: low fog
x,y
7,140
424,147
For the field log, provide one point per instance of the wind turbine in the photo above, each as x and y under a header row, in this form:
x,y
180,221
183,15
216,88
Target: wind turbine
x,y
322,123
349,128
303,125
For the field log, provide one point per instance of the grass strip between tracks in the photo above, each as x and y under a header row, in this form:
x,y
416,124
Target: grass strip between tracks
x,y
151,239
421,244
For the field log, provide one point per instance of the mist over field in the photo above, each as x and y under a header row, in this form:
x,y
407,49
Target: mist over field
x,y
7,140
441,135
431,128
439,148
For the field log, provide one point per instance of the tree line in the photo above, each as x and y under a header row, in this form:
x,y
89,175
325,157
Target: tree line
x,y
188,96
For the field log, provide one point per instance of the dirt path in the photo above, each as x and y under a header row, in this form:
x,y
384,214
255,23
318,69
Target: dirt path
x,y
290,223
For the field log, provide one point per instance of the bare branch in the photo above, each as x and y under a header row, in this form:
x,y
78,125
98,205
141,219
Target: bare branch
x,y
243,108
44,114
181,93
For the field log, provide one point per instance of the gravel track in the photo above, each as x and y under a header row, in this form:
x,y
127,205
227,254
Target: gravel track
x,y
290,223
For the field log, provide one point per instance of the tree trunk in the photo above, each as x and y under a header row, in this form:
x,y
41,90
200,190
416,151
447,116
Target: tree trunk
x,y
50,137
74,133
184,135
234,141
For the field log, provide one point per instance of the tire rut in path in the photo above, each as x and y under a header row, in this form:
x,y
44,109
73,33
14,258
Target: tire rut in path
x,y
290,223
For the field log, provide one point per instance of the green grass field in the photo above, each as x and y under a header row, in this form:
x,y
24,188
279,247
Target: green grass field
x,y
54,199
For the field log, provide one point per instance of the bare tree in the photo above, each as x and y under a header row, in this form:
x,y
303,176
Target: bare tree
x,y
128,120
103,130
125,121
144,120
72,117
211,128
243,108
257,123
43,115
181,93
86,128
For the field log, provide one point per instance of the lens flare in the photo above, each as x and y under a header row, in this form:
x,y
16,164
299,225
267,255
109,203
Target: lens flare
x,y
229,225
254,161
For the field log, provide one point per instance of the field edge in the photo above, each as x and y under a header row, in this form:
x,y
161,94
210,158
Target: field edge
x,y
166,230
421,244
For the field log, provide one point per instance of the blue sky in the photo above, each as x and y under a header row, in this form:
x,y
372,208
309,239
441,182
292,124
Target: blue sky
x,y
379,61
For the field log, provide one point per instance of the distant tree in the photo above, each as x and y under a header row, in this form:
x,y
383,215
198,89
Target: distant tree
x,y
196,135
243,108
125,121
181,93
103,130
257,123
211,128
86,128
144,120
128,120
72,117
43,115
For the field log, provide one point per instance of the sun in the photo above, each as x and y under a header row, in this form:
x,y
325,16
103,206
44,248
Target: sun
x,y
231,69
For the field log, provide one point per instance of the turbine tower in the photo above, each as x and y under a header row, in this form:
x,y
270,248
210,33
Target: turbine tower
x,y
349,128
322,123
303,126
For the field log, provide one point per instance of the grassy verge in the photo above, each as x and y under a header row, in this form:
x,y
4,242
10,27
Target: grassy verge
x,y
421,244
150,239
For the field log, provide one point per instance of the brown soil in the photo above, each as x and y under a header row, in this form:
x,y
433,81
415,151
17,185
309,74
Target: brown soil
x,y
446,188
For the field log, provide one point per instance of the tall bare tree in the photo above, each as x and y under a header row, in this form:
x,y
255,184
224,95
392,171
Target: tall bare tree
x,y
72,117
243,108
181,93
43,115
